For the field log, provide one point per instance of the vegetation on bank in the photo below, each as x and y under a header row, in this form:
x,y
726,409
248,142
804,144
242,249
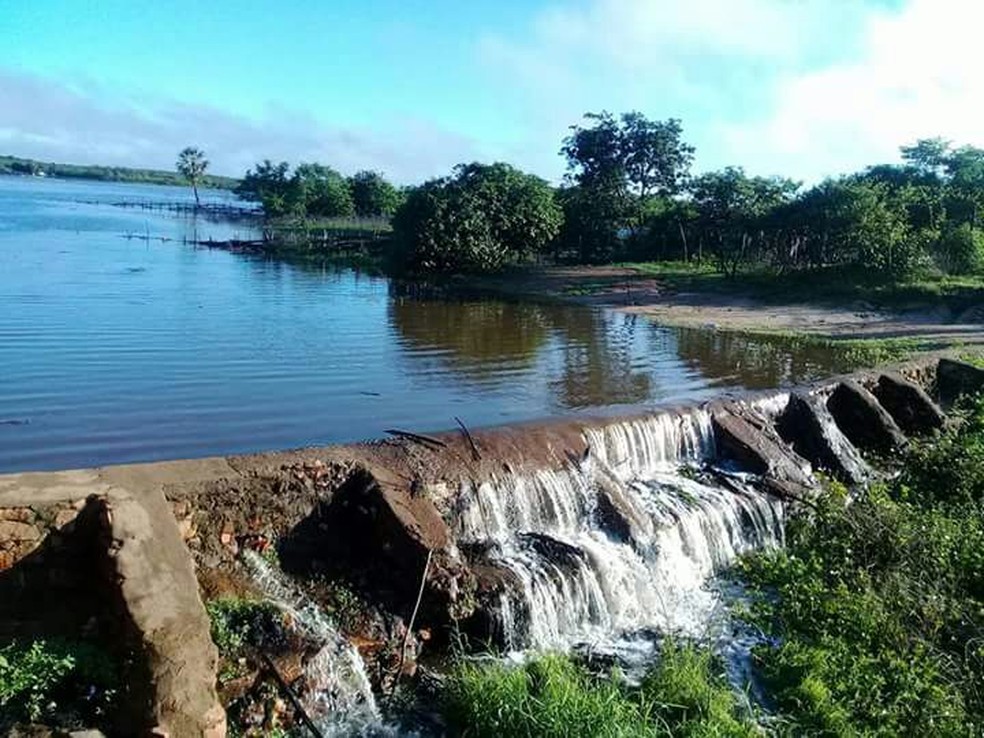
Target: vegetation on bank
x,y
875,609
71,684
630,195
19,166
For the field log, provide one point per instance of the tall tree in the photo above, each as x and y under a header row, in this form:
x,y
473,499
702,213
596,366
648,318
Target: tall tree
x,y
373,195
481,218
192,165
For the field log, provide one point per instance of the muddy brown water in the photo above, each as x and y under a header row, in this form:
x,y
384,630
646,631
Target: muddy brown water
x,y
116,349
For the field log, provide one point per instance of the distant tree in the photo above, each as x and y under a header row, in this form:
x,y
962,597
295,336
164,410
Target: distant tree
x,y
732,208
192,165
324,192
270,185
479,219
618,165
373,195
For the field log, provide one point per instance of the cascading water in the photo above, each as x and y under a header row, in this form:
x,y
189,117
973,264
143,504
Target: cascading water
x,y
337,694
574,578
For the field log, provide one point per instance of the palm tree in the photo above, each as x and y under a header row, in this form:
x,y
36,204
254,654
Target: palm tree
x,y
192,165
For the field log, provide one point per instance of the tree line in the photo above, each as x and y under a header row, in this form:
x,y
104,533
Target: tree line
x,y
318,191
629,193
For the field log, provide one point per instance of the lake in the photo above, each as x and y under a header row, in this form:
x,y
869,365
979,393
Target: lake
x,y
117,349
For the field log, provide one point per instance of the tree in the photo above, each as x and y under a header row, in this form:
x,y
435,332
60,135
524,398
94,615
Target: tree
x,y
323,191
192,165
481,218
618,165
373,195
732,208
270,185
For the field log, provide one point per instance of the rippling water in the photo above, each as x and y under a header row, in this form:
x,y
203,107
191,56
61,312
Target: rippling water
x,y
115,350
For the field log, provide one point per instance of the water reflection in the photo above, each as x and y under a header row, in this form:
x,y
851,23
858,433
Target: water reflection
x,y
590,357
759,362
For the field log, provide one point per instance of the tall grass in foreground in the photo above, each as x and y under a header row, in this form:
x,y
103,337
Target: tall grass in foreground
x,y
552,695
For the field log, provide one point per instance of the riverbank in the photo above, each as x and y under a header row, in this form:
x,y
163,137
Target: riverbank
x,y
936,313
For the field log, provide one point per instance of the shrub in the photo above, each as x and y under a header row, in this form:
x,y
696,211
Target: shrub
x,y
39,677
876,607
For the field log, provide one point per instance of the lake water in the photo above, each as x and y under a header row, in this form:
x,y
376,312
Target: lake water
x,y
115,349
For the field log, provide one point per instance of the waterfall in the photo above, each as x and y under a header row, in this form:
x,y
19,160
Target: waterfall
x,y
572,579
337,692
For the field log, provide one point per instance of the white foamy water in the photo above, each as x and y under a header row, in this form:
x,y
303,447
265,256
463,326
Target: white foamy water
x,y
338,695
575,579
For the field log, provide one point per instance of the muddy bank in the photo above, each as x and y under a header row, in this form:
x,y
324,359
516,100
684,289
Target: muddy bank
x,y
626,289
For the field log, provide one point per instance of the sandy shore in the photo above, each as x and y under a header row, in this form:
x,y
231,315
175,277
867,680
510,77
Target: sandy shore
x,y
624,289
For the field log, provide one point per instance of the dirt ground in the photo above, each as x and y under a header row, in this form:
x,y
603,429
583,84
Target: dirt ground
x,y
625,289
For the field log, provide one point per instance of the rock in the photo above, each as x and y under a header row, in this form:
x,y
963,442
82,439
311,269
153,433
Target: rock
x,y
908,404
740,441
957,378
12,531
863,420
617,515
17,514
809,428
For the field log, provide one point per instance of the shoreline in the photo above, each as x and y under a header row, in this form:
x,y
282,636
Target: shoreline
x,y
629,290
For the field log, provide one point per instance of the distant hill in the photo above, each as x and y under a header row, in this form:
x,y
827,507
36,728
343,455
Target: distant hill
x,y
16,165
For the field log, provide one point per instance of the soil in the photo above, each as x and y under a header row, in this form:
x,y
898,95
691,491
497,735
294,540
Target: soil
x,y
625,289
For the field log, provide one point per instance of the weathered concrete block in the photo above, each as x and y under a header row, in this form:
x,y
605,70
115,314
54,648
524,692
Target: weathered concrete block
x,y
957,378
740,441
810,429
908,404
863,420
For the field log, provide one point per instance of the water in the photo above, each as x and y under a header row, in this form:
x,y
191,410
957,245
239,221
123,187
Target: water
x,y
115,350
574,578
337,694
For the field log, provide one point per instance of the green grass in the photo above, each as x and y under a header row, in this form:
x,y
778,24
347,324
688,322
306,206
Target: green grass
x,y
552,695
829,285
876,607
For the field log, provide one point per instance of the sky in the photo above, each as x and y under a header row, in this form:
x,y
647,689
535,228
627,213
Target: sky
x,y
802,88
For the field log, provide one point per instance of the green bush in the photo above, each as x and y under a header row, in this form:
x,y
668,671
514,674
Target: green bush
x,y
43,676
876,607
238,623
552,695
960,250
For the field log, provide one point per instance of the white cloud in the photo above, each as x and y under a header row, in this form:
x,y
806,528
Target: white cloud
x,y
85,123
702,60
918,75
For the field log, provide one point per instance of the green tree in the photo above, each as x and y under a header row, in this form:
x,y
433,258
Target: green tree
x,y
323,191
732,208
617,165
270,185
373,195
481,218
192,165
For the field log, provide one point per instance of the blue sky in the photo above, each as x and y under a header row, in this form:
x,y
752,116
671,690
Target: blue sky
x,y
800,87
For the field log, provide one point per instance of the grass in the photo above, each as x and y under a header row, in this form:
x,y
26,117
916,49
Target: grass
x,y
828,285
875,609
552,695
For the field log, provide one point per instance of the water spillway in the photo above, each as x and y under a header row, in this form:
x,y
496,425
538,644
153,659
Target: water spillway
x,y
621,539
